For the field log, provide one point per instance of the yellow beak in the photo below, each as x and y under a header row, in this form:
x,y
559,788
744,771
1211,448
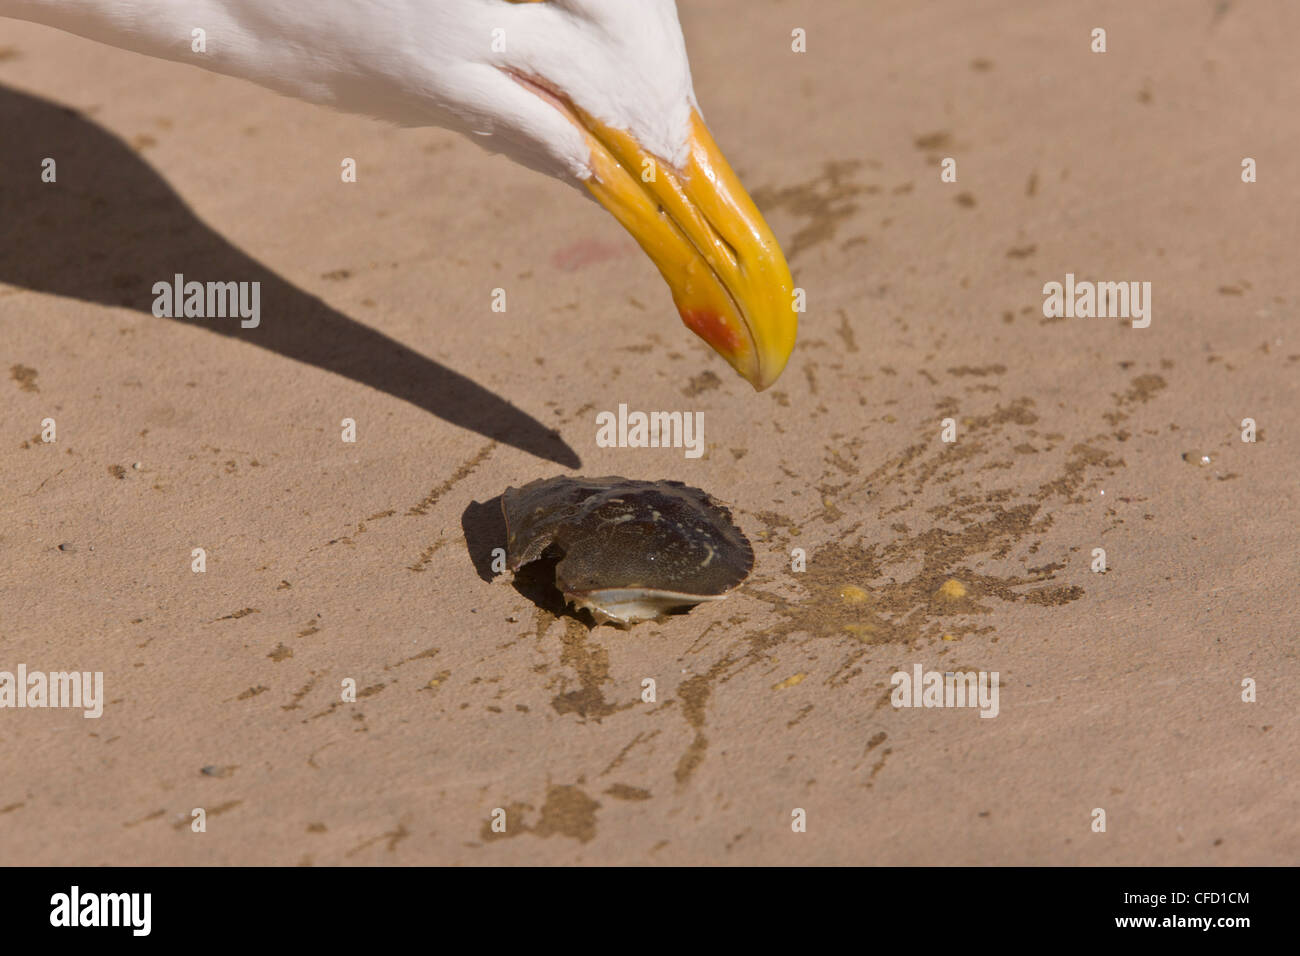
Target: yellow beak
x,y
729,280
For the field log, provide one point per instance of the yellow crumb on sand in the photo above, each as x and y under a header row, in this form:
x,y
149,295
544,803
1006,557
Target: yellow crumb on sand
x,y
953,589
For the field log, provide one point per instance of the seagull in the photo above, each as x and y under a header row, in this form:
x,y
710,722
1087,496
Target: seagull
x,y
595,93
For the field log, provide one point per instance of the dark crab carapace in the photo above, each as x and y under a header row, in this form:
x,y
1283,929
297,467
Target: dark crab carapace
x,y
628,550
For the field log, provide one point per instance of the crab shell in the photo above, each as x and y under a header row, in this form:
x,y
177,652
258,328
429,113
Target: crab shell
x,y
632,550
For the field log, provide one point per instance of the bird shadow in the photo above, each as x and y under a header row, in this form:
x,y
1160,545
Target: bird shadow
x,y
109,227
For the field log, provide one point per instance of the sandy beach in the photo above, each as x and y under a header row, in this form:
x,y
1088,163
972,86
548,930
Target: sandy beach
x,y
327,561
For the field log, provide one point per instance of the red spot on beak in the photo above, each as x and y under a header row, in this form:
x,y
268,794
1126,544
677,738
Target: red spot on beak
x,y
713,328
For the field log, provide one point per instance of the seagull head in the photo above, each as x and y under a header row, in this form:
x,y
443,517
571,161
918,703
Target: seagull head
x,y
598,93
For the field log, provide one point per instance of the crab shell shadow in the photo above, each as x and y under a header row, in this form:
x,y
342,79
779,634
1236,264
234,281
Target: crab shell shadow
x,y
484,527
109,227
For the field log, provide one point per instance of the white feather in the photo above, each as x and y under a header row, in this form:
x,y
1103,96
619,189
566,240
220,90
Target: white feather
x,y
430,62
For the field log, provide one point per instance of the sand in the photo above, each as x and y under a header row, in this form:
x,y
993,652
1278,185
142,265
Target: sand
x,y
369,562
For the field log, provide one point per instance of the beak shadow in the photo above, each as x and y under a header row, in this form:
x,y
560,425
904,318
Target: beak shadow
x,y
110,227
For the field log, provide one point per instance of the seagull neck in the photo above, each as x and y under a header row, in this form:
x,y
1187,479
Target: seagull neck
x,y
258,40
153,27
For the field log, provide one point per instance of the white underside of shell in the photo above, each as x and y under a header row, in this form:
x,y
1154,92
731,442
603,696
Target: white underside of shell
x,y
630,605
